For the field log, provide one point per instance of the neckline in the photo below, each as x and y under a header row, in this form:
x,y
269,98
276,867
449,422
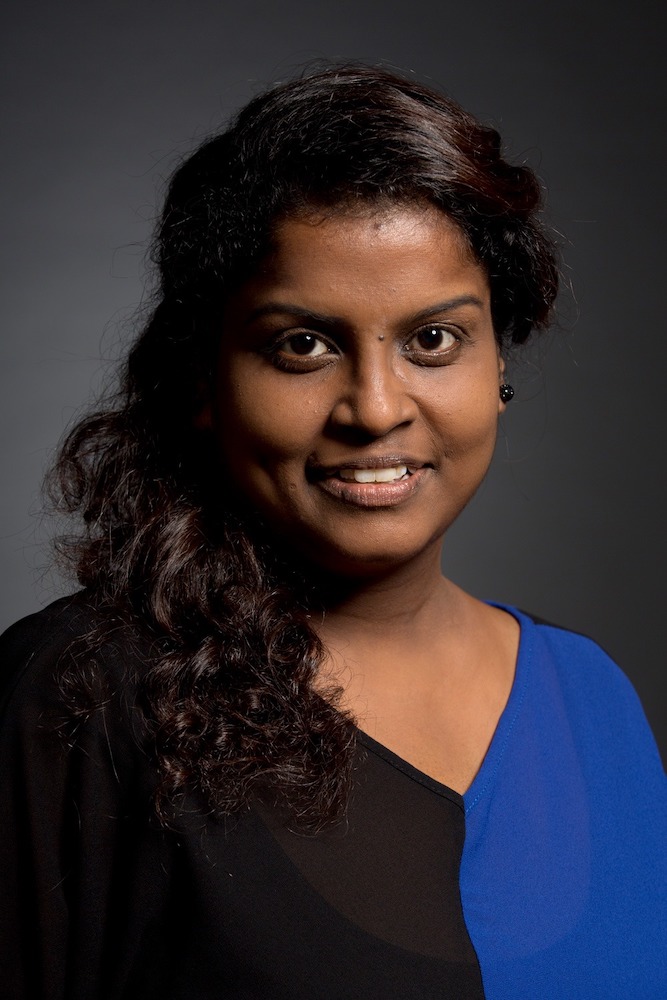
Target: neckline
x,y
499,740
508,717
403,765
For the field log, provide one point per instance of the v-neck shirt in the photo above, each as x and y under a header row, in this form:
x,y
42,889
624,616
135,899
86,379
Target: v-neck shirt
x,y
547,879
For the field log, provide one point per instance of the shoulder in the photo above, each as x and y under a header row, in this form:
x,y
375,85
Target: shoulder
x,y
579,660
39,640
71,666
600,703
63,629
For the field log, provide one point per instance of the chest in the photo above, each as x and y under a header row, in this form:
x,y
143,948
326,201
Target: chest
x,y
445,736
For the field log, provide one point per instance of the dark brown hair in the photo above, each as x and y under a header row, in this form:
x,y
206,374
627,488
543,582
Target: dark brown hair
x,y
230,696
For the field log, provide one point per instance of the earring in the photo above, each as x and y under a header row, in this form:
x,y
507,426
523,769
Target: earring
x,y
506,392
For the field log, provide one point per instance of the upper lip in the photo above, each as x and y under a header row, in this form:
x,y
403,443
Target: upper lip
x,y
366,462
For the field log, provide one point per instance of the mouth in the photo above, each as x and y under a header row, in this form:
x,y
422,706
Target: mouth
x,y
372,482
381,474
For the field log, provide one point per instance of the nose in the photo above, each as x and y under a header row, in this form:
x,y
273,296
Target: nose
x,y
374,399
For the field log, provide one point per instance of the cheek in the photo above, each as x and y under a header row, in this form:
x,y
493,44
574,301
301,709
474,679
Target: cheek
x,y
471,420
259,423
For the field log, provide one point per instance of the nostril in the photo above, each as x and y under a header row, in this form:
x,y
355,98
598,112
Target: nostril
x,y
374,405
353,434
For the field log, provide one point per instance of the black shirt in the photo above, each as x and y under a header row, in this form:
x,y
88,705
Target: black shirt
x,y
101,901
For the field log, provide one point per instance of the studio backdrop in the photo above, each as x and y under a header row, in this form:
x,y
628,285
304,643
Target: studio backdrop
x,y
102,100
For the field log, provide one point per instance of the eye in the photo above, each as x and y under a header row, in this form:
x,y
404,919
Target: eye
x,y
304,345
432,345
301,352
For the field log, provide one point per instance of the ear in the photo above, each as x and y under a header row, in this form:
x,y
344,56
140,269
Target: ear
x,y
501,378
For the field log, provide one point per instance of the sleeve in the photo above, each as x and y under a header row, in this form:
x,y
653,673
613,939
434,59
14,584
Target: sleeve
x,y
80,859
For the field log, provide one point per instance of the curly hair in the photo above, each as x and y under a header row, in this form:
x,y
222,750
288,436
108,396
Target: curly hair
x,y
230,694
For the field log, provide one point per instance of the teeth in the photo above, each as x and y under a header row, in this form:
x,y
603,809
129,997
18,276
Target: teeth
x,y
373,475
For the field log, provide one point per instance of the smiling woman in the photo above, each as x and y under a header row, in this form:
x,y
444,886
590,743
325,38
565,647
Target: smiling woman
x,y
360,450
269,750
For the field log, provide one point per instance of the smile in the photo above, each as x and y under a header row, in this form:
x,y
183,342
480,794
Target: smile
x,y
382,475
385,483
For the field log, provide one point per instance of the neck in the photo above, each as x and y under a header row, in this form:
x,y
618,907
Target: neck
x,y
388,607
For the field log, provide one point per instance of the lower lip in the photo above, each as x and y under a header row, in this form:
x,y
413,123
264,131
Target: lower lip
x,y
371,495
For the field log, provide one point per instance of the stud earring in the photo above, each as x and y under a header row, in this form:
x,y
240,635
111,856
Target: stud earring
x,y
506,392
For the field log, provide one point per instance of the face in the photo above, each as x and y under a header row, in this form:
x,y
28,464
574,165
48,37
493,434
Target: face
x,y
356,396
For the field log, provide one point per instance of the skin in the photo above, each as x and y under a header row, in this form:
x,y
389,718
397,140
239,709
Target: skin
x,y
366,339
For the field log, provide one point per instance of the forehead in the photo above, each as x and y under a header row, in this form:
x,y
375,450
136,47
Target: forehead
x,y
389,251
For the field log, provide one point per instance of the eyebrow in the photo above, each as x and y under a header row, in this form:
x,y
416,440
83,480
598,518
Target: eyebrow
x,y
448,306
288,308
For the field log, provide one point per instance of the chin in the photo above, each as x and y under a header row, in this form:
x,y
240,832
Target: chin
x,y
368,560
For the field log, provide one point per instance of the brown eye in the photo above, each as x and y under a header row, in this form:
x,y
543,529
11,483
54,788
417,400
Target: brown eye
x,y
304,345
432,338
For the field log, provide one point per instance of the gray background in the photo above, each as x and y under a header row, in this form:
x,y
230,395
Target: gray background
x,y
101,100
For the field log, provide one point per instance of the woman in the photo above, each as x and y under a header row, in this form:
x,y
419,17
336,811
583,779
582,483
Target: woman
x,y
269,751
